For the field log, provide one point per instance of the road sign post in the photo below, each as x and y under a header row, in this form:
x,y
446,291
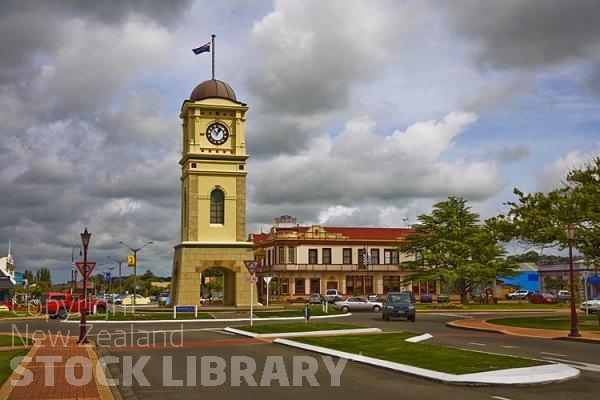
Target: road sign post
x,y
252,266
267,280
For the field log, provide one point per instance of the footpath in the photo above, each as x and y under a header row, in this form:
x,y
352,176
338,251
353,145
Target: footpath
x,y
69,371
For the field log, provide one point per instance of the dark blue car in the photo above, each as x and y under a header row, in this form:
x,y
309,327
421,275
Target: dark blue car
x,y
399,305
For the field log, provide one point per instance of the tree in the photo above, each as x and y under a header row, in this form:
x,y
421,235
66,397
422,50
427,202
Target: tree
x,y
27,274
450,245
555,283
42,275
541,218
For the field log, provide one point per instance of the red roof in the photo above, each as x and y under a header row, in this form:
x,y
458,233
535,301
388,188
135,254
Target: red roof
x,y
351,233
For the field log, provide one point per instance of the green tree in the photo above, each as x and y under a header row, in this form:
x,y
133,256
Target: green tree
x,y
450,245
555,283
43,275
27,274
541,218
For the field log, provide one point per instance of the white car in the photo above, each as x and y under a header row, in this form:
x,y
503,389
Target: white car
x,y
592,306
139,300
518,294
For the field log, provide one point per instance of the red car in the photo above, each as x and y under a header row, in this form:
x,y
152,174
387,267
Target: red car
x,y
543,298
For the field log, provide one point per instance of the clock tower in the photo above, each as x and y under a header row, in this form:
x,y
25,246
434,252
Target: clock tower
x,y
213,196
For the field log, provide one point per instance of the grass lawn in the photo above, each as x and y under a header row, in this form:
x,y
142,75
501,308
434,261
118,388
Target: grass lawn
x,y
317,310
393,347
296,327
140,316
5,358
19,313
505,305
554,322
7,341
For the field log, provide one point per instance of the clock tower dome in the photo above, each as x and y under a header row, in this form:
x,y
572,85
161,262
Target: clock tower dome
x,y
213,195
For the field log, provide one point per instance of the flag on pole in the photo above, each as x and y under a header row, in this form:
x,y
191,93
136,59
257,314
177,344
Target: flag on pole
x,y
202,49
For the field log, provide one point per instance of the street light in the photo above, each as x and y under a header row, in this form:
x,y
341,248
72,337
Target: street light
x,y
134,269
367,260
119,262
73,270
85,239
571,235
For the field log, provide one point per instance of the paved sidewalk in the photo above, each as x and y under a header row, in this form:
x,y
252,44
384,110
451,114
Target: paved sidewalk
x,y
59,376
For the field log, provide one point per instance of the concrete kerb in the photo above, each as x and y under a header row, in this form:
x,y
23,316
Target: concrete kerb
x,y
145,321
515,376
307,333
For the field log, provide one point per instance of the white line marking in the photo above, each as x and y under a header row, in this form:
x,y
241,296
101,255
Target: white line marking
x,y
553,354
477,344
576,364
500,398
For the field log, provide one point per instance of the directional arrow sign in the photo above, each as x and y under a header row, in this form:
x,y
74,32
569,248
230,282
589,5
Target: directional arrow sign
x,y
85,272
252,266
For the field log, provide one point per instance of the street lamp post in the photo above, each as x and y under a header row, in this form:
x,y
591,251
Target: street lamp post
x,y
134,269
110,278
73,270
85,239
119,262
367,260
571,236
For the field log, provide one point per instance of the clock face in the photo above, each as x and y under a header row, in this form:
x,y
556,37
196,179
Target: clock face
x,y
217,133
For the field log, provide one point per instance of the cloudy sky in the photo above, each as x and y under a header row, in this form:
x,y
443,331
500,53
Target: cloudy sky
x,y
361,113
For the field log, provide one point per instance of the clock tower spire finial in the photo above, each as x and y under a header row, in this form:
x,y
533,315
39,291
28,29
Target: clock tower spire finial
x,y
212,46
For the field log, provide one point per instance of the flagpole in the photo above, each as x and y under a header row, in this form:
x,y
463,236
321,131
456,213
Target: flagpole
x,y
212,48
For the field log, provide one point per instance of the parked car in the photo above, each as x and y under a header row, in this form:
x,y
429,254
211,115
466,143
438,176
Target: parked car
x,y
139,300
315,298
59,305
543,298
443,298
399,304
116,299
564,295
331,295
164,299
518,294
357,304
592,306
426,298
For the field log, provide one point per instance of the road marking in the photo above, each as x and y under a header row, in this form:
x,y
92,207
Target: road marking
x,y
553,354
510,347
477,344
576,364
500,398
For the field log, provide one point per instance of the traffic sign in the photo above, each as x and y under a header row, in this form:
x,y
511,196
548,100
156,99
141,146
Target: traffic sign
x,y
131,260
267,279
252,266
85,272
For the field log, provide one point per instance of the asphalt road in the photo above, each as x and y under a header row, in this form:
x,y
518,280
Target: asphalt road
x,y
203,361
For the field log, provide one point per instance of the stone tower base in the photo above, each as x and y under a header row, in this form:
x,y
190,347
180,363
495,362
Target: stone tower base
x,y
192,258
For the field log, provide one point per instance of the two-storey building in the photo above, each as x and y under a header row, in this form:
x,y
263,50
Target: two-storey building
x,y
311,259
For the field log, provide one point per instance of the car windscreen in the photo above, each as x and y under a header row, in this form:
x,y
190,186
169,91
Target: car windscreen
x,y
399,298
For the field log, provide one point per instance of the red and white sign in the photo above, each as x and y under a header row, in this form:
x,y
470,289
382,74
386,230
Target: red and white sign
x,y
252,266
88,270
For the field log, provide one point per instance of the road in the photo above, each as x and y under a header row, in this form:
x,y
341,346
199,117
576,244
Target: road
x,y
166,357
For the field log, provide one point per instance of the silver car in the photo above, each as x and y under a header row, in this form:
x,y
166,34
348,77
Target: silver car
x,y
358,304
591,306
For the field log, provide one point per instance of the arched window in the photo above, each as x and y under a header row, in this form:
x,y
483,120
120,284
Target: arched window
x,y
217,207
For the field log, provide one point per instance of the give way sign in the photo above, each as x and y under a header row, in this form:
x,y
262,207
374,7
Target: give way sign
x,y
252,266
